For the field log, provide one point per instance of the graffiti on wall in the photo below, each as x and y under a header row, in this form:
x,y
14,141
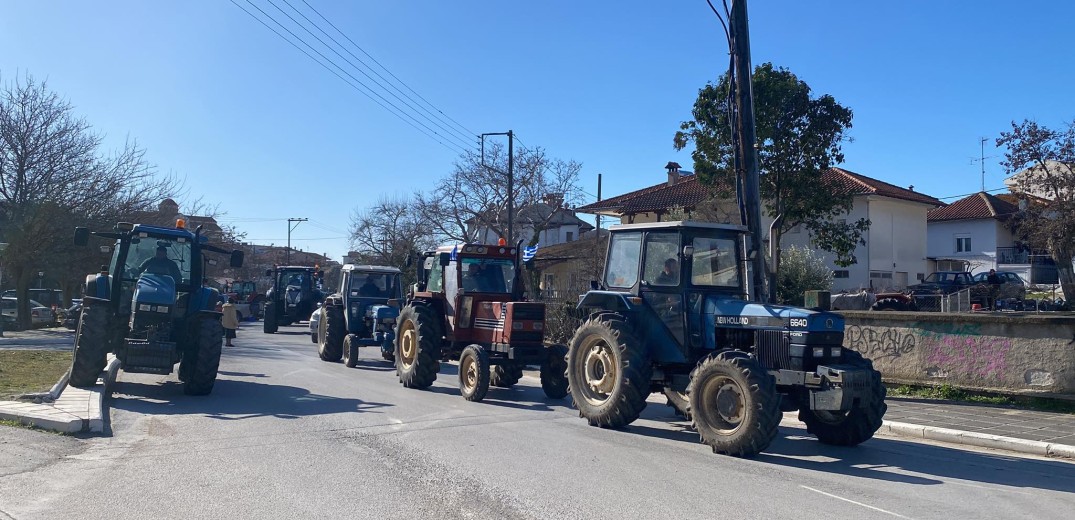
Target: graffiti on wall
x,y
881,342
977,356
947,349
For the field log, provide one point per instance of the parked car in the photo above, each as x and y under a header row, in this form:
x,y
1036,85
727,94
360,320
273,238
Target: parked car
x,y
52,298
40,315
935,285
72,315
315,318
1011,288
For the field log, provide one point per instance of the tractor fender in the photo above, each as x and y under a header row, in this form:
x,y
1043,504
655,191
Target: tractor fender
x,y
204,299
98,286
658,340
594,301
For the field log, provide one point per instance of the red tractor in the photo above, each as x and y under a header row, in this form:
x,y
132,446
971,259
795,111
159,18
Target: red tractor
x,y
469,305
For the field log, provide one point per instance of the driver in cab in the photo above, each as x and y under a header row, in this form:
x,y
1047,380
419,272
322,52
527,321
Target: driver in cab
x,y
162,265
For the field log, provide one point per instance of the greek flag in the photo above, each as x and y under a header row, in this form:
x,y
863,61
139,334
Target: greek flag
x,y
529,252
455,252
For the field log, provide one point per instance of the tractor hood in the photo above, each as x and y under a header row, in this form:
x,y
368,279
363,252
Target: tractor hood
x,y
730,312
155,289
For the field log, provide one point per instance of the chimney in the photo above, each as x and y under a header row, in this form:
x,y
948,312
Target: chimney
x,y
911,187
673,172
556,200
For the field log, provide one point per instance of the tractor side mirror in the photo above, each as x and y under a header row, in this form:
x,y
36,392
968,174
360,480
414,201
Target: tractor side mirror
x,y
688,251
268,272
236,258
445,259
594,285
82,236
410,259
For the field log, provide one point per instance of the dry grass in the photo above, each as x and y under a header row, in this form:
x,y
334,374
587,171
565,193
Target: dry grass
x,y
25,371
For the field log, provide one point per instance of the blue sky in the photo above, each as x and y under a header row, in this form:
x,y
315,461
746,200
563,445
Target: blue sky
x,y
254,125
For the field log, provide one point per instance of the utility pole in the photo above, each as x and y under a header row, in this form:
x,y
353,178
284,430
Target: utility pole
x,y
748,158
290,228
511,178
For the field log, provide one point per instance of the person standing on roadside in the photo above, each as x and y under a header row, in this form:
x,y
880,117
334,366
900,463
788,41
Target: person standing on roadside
x,y
230,321
994,288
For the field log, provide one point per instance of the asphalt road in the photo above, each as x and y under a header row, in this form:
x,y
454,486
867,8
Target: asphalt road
x,y
285,435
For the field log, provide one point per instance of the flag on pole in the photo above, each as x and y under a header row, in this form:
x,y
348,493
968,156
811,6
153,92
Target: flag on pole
x,y
529,252
455,252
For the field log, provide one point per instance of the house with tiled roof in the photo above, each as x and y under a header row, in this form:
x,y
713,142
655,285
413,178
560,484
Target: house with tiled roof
x,y
895,252
974,234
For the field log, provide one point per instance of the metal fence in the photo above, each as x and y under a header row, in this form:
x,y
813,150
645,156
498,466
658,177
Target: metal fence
x,y
956,302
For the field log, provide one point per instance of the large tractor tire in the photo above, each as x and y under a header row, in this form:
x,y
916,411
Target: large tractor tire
x,y
209,336
679,402
350,351
91,346
608,372
855,426
331,331
506,375
734,404
418,340
474,373
270,324
554,372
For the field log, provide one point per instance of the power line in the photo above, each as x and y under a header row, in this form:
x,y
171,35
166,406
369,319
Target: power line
x,y
356,67
469,132
453,148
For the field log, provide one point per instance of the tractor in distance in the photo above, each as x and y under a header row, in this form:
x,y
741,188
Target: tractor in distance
x,y
294,295
469,305
674,316
150,306
247,300
362,313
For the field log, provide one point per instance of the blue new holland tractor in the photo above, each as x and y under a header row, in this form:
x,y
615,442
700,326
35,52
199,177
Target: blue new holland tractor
x,y
673,315
150,307
362,313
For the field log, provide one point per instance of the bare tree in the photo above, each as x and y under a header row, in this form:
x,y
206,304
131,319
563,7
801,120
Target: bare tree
x,y
388,231
52,174
1046,160
474,197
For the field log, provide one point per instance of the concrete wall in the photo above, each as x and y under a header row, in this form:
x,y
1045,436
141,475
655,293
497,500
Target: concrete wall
x,y
1032,354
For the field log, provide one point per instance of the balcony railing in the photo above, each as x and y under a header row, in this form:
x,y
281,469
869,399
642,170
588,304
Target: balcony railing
x,y
1015,255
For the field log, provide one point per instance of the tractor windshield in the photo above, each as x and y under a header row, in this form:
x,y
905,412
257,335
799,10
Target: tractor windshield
x,y
714,262
300,279
489,275
375,285
163,256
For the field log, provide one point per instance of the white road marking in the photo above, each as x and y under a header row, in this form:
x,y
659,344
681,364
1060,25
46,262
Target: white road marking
x,y
897,515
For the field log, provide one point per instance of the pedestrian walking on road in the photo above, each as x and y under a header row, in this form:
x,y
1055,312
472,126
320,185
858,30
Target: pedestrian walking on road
x,y
230,321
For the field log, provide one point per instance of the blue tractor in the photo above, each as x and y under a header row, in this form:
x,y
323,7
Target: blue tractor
x,y
362,313
150,307
673,315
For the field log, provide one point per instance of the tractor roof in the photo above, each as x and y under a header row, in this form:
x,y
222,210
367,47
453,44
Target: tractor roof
x,y
369,268
167,232
474,248
679,224
294,268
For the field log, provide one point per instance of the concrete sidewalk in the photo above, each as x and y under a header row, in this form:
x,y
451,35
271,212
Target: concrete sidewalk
x,y
65,408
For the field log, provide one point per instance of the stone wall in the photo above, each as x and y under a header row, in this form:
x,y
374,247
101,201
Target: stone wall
x,y
1031,354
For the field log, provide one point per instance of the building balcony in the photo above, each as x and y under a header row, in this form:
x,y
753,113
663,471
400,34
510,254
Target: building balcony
x,y
1017,256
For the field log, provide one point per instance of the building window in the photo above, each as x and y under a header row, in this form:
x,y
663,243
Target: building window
x,y
570,236
963,244
841,274
881,275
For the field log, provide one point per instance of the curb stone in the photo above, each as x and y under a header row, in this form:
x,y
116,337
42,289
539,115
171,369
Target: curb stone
x,y
981,440
81,411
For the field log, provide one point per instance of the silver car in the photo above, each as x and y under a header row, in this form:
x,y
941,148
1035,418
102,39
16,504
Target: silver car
x,y
315,318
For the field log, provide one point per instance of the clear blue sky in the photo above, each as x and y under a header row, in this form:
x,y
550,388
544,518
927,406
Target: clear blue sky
x,y
253,124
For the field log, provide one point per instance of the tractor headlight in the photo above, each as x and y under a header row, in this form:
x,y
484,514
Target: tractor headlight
x,y
517,325
145,307
163,308
539,325
819,352
836,352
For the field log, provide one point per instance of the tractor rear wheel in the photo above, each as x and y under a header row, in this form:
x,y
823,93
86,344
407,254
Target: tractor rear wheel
x,y
350,351
608,372
474,373
91,345
418,346
269,324
208,335
679,402
506,375
852,427
734,404
554,372
331,332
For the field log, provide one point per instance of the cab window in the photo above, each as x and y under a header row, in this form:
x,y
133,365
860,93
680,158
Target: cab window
x,y
714,262
662,259
623,257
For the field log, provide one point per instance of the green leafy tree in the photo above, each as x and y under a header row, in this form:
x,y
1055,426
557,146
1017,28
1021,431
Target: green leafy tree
x,y
803,270
798,137
1045,159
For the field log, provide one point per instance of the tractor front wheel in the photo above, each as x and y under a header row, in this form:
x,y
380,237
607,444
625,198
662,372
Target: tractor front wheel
x,y
350,351
608,372
554,372
331,332
474,373
855,426
418,346
208,335
270,324
91,346
734,404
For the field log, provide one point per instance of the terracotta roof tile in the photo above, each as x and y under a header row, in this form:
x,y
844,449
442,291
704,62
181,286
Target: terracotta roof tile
x,y
689,191
978,206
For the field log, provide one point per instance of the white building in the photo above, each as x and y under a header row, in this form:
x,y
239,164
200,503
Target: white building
x,y
555,224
